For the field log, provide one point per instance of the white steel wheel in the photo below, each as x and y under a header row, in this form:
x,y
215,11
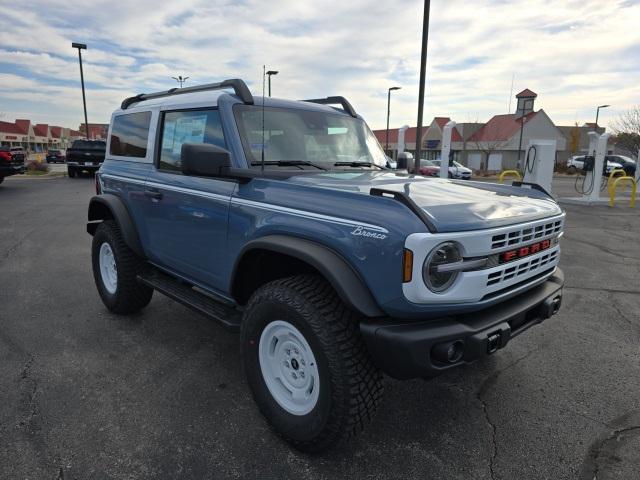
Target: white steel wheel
x,y
108,270
289,368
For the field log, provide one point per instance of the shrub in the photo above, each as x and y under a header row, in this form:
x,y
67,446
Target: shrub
x,y
34,166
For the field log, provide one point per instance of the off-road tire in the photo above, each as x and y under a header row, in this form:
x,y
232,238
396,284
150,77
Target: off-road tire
x,y
350,385
130,296
71,172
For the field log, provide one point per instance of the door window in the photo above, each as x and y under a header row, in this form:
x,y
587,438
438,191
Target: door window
x,y
192,126
129,134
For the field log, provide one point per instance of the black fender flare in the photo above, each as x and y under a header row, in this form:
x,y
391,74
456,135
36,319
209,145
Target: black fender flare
x,y
106,206
331,265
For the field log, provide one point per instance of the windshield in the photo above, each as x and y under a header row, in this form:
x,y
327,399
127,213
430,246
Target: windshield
x,y
322,138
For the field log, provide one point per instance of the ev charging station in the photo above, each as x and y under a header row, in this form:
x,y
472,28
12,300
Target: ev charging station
x,y
593,171
447,131
539,163
401,133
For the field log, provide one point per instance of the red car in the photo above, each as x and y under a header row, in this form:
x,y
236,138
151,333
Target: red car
x,y
428,169
11,163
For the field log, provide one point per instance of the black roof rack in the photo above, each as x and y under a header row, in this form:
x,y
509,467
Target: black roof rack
x,y
335,101
238,86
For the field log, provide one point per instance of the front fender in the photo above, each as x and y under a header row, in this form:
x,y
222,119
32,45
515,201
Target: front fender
x,y
333,267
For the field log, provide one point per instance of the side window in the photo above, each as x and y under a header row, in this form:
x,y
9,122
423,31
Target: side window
x,y
129,135
193,126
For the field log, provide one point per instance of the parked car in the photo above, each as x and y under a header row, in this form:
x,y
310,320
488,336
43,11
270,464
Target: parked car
x,y
279,219
577,163
626,163
428,168
11,162
55,156
456,170
85,155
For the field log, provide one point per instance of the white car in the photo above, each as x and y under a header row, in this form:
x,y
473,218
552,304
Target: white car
x,y
577,163
456,170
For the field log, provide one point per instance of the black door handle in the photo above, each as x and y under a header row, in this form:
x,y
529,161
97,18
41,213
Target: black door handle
x,y
153,194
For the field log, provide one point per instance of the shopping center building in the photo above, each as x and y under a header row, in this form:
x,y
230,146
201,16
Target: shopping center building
x,y
36,138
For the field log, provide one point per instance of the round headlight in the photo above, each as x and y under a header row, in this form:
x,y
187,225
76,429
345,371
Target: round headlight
x,y
443,254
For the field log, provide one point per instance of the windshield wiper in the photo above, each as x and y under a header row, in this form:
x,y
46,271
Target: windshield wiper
x,y
358,164
289,163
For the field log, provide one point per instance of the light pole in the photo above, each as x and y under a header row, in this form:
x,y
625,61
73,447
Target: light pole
x,y
269,73
386,146
598,113
423,72
80,47
180,79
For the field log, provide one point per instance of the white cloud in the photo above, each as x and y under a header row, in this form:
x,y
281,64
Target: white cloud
x,y
575,54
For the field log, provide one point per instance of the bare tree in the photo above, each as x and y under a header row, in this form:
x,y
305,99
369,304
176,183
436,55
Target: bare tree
x,y
627,129
489,139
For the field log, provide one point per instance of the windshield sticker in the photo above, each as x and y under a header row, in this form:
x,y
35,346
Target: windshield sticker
x,y
189,130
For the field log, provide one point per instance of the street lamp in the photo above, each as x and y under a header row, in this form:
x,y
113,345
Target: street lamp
x,y
269,73
180,79
386,146
423,73
598,113
80,47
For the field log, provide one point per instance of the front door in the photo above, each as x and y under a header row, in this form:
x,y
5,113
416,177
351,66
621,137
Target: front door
x,y
186,216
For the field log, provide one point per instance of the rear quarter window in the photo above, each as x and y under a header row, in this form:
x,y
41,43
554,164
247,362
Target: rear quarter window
x,y
129,135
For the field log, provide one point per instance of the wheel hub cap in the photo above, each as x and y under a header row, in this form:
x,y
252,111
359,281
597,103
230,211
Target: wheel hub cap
x,y
289,367
108,270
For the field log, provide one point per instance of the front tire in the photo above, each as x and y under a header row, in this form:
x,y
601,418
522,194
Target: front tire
x,y
71,172
306,363
115,271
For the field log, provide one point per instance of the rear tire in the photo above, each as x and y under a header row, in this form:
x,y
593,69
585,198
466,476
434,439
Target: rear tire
x,y
71,172
303,315
115,271
571,170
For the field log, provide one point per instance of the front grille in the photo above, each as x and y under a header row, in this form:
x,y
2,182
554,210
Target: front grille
x,y
523,268
523,235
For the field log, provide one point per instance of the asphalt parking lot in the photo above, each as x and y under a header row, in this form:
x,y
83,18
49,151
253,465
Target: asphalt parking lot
x,y
87,394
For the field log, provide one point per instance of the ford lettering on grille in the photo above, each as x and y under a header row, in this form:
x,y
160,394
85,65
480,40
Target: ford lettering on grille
x,y
527,250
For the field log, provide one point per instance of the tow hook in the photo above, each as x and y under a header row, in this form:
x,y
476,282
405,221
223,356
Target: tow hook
x,y
493,342
551,306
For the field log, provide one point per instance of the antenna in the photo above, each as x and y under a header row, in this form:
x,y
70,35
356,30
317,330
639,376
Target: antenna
x,y
262,151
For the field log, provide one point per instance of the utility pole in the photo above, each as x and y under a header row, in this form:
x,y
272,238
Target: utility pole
x,y
80,47
269,73
180,79
423,72
386,147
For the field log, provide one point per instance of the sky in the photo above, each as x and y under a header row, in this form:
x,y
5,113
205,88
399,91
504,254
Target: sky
x,y
575,54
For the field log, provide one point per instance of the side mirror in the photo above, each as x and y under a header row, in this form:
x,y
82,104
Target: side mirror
x,y
204,160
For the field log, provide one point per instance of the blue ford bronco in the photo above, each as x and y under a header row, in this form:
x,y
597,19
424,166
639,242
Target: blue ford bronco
x,y
280,220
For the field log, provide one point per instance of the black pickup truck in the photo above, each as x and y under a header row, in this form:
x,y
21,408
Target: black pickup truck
x,y
11,162
85,155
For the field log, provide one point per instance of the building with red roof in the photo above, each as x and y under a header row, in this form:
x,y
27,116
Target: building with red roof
x,y
494,145
36,138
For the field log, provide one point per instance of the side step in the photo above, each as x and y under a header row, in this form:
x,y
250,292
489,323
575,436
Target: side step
x,y
227,315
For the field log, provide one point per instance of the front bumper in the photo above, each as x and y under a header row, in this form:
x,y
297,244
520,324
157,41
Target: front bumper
x,y
418,349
